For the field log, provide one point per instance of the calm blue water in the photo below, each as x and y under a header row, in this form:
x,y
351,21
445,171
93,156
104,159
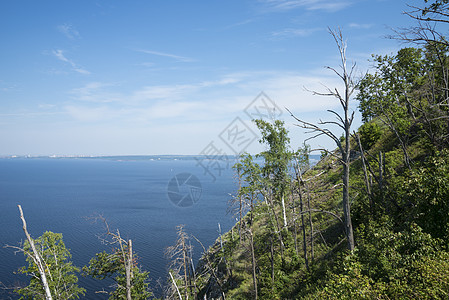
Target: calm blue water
x,y
60,195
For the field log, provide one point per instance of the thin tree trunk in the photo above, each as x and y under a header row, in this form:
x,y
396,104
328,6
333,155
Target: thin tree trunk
x,y
36,257
306,260
184,257
253,255
176,287
365,172
228,268
301,207
346,162
192,267
295,230
312,251
253,262
272,263
240,207
278,233
301,181
381,178
347,208
284,214
128,270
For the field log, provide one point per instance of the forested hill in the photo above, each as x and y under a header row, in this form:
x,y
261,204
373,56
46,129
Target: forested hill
x,y
293,237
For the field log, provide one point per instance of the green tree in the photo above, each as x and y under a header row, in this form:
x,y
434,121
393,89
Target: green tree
x,y
61,273
121,266
111,265
370,133
277,158
426,191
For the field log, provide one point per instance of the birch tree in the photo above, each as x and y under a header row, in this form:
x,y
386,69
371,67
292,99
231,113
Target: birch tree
x,y
53,276
277,158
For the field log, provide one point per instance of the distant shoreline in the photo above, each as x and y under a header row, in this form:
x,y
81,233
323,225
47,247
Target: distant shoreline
x,y
230,158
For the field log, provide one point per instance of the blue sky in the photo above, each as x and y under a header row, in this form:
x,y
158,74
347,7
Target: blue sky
x,y
171,77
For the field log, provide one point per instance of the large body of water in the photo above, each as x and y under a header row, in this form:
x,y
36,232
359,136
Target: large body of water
x,y
61,195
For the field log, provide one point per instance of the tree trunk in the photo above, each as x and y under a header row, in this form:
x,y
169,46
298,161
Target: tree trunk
x,y
128,270
253,262
185,264
300,180
347,208
381,178
36,257
312,252
295,230
365,172
284,214
306,260
176,287
240,206
278,227
272,263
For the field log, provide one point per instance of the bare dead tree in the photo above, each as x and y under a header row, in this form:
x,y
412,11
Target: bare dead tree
x,y
344,121
426,29
179,254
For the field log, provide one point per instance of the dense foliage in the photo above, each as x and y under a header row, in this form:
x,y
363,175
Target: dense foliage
x,y
63,279
110,265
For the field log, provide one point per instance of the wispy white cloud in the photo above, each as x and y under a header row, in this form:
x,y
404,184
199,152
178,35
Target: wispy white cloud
x,y
60,55
238,24
294,32
29,114
69,31
360,26
163,92
165,54
197,102
89,113
326,5
96,92
199,110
